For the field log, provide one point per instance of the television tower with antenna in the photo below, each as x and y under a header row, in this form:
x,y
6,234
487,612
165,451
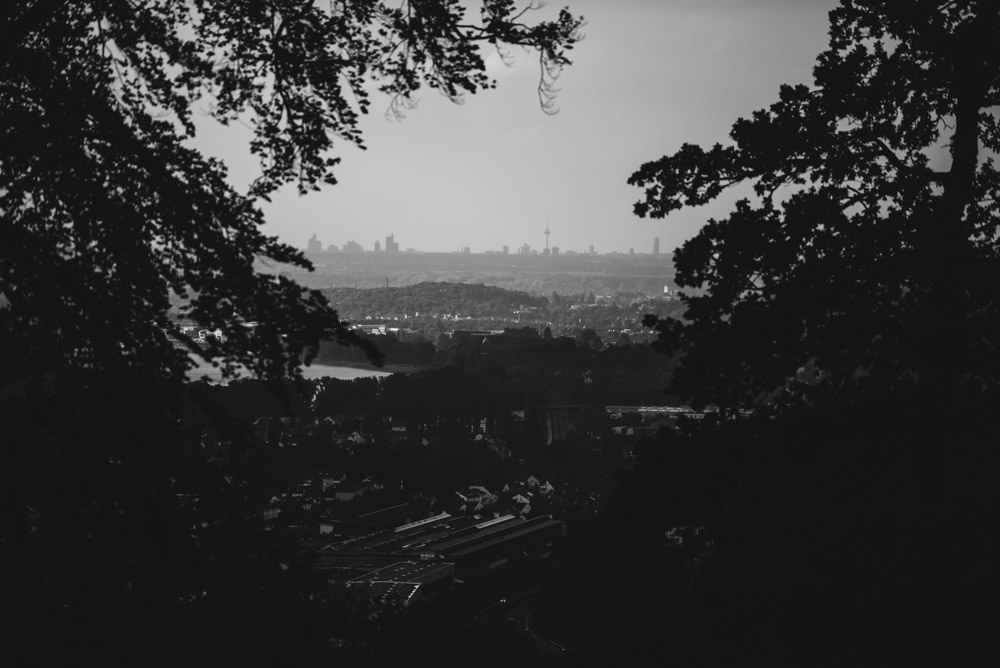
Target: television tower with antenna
x,y
547,233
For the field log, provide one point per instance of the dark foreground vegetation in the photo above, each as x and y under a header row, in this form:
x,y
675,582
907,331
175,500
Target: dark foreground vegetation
x,y
837,537
828,535
148,529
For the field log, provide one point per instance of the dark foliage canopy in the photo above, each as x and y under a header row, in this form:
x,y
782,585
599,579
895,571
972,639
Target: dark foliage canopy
x,y
106,211
866,247
127,503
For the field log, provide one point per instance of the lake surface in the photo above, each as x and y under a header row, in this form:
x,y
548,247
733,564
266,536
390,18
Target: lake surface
x,y
310,372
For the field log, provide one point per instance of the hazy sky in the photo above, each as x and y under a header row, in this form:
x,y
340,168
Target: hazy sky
x,y
650,75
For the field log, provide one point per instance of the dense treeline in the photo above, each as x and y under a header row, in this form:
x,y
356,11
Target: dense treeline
x,y
417,351
848,306
839,537
514,347
123,538
137,529
478,378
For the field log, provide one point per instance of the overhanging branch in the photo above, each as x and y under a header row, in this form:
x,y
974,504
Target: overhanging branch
x,y
32,19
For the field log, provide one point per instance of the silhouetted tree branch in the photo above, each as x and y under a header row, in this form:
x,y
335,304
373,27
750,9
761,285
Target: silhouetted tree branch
x,y
854,255
109,218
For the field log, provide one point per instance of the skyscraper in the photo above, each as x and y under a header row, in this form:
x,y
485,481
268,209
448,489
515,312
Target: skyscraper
x,y
656,245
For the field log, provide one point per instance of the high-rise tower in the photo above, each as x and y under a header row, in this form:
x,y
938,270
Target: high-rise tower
x,y
547,233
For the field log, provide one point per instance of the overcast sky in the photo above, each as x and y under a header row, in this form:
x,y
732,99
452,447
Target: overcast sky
x,y
650,75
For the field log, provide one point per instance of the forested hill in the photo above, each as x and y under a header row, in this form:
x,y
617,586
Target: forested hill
x,y
430,299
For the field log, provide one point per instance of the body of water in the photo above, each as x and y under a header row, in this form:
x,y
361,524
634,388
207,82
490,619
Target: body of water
x,y
310,372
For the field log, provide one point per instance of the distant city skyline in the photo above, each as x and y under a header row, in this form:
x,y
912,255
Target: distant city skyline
x,y
388,244
497,171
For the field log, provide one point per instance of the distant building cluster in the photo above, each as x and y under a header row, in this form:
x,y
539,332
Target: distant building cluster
x,y
201,334
393,554
402,553
390,245
443,546
314,245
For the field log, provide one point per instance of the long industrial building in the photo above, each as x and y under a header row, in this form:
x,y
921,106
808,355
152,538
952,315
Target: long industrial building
x,y
475,545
